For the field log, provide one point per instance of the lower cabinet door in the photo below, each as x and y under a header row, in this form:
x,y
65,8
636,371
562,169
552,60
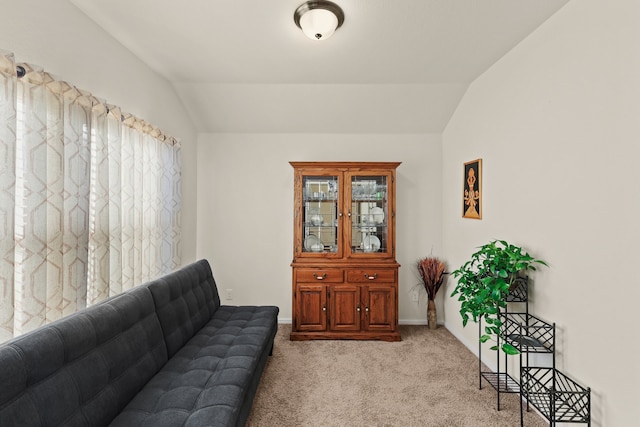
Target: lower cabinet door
x,y
311,307
379,308
345,307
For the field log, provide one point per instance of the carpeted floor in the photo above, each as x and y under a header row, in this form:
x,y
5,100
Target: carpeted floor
x,y
427,379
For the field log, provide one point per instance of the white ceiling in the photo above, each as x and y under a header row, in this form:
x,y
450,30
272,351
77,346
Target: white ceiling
x,y
395,66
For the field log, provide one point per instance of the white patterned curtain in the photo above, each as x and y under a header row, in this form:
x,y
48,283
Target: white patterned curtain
x,y
89,199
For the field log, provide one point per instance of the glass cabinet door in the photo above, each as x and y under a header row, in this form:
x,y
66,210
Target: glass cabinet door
x,y
320,214
368,201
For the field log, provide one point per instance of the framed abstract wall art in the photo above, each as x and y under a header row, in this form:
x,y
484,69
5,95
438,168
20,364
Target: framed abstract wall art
x,y
472,190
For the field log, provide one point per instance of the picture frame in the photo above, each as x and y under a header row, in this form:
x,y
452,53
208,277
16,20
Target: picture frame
x,y
472,190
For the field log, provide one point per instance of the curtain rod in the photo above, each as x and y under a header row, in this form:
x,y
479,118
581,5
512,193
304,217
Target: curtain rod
x,y
21,71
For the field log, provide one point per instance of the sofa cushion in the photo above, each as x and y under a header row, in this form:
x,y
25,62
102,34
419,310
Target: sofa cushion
x,y
208,381
82,370
185,301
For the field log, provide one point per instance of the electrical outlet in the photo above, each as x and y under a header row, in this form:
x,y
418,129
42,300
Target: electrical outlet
x,y
229,294
414,296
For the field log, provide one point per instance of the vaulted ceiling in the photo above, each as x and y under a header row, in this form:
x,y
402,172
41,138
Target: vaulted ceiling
x,y
395,66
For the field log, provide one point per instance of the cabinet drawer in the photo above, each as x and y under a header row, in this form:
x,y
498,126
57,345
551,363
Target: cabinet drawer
x,y
371,275
332,275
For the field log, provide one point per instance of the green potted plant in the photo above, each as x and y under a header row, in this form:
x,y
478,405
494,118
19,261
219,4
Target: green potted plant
x,y
484,282
431,271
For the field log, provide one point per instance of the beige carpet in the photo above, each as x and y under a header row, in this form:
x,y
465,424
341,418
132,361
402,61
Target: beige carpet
x,y
427,379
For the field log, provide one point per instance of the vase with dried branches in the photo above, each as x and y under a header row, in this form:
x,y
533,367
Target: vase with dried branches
x,y
432,271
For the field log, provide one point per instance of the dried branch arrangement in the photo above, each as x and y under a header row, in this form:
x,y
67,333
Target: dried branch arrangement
x,y
431,271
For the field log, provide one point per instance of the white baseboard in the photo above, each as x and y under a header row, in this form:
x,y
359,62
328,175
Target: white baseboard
x,y
413,322
287,321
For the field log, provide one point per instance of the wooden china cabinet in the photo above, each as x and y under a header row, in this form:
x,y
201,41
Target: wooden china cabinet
x,y
345,273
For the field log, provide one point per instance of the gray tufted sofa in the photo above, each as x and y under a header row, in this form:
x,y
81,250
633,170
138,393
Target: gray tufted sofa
x,y
165,353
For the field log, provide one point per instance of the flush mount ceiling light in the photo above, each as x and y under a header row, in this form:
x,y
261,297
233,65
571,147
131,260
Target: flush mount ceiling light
x,y
318,19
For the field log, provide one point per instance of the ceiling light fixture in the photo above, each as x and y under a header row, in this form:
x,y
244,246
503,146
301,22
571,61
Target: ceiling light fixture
x,y
318,19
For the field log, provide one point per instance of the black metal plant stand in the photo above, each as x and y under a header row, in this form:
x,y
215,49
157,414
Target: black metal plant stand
x,y
557,397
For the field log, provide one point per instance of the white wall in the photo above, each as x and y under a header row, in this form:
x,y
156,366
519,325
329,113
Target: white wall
x,y
58,37
245,211
557,124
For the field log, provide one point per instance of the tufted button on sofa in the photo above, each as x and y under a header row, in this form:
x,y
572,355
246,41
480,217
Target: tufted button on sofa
x,y
165,353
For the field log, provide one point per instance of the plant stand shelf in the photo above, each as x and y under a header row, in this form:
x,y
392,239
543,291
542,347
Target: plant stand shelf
x,y
528,333
501,382
556,396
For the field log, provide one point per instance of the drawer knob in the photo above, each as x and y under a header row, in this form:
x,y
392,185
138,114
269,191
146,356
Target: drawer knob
x,y
324,276
374,277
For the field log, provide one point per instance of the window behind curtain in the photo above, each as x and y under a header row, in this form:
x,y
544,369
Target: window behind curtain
x,y
89,199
